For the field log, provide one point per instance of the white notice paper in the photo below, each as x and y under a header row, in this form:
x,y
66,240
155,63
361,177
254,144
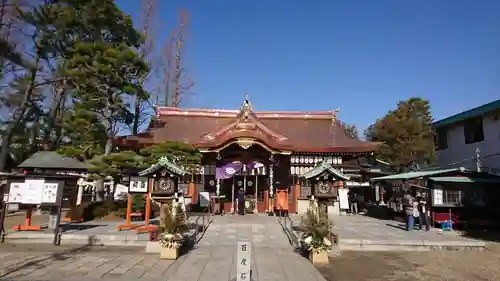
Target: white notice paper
x,y
138,185
16,192
243,257
344,203
32,192
50,193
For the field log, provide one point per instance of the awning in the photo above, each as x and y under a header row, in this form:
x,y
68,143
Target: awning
x,y
416,175
461,179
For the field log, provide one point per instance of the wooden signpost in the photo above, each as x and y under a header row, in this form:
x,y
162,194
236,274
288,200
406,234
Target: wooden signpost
x,y
244,257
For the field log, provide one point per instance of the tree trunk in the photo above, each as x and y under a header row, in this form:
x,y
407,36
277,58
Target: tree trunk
x,y
18,116
49,143
100,183
35,128
137,116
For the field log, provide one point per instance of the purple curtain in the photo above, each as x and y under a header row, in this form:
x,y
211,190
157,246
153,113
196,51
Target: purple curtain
x,y
228,170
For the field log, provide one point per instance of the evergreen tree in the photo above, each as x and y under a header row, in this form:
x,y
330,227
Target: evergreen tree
x,y
406,134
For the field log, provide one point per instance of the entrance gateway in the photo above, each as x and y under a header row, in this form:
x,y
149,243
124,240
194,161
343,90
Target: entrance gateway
x,y
259,155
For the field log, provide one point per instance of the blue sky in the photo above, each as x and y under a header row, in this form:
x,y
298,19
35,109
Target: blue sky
x,y
359,56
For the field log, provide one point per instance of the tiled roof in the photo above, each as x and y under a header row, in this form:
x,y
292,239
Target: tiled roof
x,y
52,160
299,131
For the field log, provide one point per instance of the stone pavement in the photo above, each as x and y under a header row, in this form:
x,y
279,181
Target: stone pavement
x,y
214,258
357,232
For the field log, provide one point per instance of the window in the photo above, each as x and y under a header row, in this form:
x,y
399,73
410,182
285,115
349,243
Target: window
x,y
447,197
473,130
440,139
452,197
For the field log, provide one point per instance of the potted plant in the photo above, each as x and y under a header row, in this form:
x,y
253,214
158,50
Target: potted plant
x,y
171,239
318,237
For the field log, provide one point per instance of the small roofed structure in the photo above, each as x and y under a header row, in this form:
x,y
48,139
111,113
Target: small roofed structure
x,y
325,180
49,161
163,185
467,196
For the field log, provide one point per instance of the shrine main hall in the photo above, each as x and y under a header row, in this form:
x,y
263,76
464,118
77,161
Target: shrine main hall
x,y
275,158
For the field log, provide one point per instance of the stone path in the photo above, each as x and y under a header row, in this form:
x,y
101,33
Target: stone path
x,y
213,260
262,231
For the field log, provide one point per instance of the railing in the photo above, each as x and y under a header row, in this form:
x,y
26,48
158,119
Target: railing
x,y
200,229
288,227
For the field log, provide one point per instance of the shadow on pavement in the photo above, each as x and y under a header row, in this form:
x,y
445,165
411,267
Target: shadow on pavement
x,y
490,235
399,226
38,263
79,227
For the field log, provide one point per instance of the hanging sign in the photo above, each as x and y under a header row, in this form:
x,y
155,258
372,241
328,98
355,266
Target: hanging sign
x,y
244,257
138,185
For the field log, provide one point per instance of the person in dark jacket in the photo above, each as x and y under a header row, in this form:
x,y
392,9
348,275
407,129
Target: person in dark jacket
x,y
422,209
353,201
241,202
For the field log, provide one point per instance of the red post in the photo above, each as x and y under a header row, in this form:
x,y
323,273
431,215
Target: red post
x,y
128,224
148,227
148,208
27,219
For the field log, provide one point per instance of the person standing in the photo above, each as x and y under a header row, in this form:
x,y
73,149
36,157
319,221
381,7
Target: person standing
x,y
422,209
241,202
353,201
408,205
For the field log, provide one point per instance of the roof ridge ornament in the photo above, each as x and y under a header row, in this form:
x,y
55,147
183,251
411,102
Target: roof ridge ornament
x,y
246,106
334,115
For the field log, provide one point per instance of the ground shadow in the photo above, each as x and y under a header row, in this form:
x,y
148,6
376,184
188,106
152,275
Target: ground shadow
x,y
491,235
398,226
79,227
383,213
39,263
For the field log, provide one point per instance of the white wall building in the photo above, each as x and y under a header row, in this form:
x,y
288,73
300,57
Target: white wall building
x,y
459,136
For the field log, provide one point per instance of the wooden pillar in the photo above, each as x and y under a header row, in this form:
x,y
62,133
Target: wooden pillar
x,y
266,201
296,195
193,193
